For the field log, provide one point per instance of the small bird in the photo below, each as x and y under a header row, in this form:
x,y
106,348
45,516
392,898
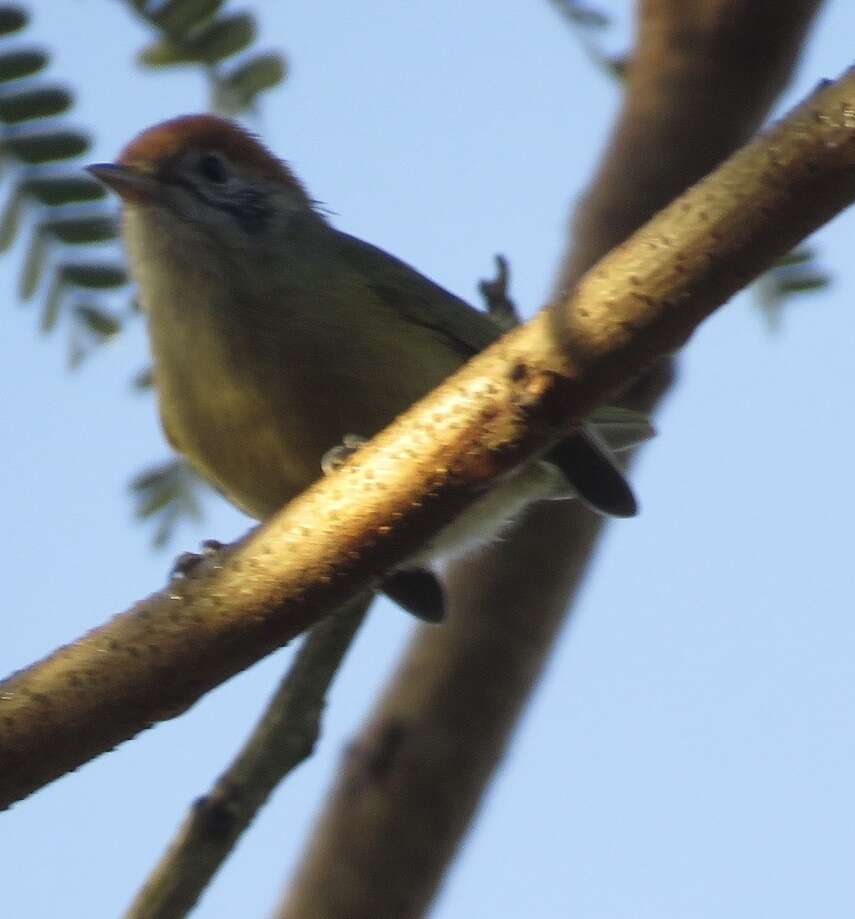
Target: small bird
x,y
278,340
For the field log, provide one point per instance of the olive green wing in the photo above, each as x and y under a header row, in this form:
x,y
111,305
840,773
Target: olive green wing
x,y
412,295
584,459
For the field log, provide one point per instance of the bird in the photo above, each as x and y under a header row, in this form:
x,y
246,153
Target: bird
x,y
279,341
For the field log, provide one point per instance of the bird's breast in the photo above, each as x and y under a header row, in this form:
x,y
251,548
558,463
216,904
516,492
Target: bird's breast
x,y
254,395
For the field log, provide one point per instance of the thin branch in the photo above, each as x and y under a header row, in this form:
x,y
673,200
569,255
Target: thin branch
x,y
510,402
459,690
282,739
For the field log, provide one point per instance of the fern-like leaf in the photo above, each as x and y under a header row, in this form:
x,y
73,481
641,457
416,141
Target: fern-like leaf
x,y
65,208
168,494
206,34
790,278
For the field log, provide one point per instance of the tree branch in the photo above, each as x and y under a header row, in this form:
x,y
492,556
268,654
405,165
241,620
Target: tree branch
x,y
459,690
282,739
702,78
510,402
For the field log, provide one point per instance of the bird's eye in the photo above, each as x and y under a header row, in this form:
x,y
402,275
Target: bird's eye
x,y
212,168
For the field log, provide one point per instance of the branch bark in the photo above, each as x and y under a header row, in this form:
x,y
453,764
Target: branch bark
x,y
703,75
510,402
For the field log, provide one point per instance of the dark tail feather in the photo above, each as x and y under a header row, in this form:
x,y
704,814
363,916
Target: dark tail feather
x,y
592,472
418,591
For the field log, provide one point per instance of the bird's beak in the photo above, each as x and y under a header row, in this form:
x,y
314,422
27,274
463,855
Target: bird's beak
x,y
130,184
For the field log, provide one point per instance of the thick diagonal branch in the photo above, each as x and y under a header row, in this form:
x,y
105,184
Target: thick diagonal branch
x,y
510,402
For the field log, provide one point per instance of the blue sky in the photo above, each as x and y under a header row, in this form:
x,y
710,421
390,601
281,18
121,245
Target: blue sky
x,y
689,751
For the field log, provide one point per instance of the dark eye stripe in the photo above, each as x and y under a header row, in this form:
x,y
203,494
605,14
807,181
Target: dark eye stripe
x,y
250,207
252,210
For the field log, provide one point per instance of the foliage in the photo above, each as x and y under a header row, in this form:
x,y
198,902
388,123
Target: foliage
x,y
787,281
63,210
167,493
590,23
200,33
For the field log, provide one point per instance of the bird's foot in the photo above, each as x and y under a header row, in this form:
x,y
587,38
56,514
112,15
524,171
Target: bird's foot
x,y
336,457
187,562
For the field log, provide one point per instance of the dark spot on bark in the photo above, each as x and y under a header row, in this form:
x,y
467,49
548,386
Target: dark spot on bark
x,y
518,372
216,814
383,757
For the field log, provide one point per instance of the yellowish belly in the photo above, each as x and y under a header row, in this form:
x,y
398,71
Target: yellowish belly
x,y
258,428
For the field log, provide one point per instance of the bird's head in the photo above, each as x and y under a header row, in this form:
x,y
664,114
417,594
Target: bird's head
x,y
201,174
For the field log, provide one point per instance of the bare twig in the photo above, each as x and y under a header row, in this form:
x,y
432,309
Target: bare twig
x,y
282,739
